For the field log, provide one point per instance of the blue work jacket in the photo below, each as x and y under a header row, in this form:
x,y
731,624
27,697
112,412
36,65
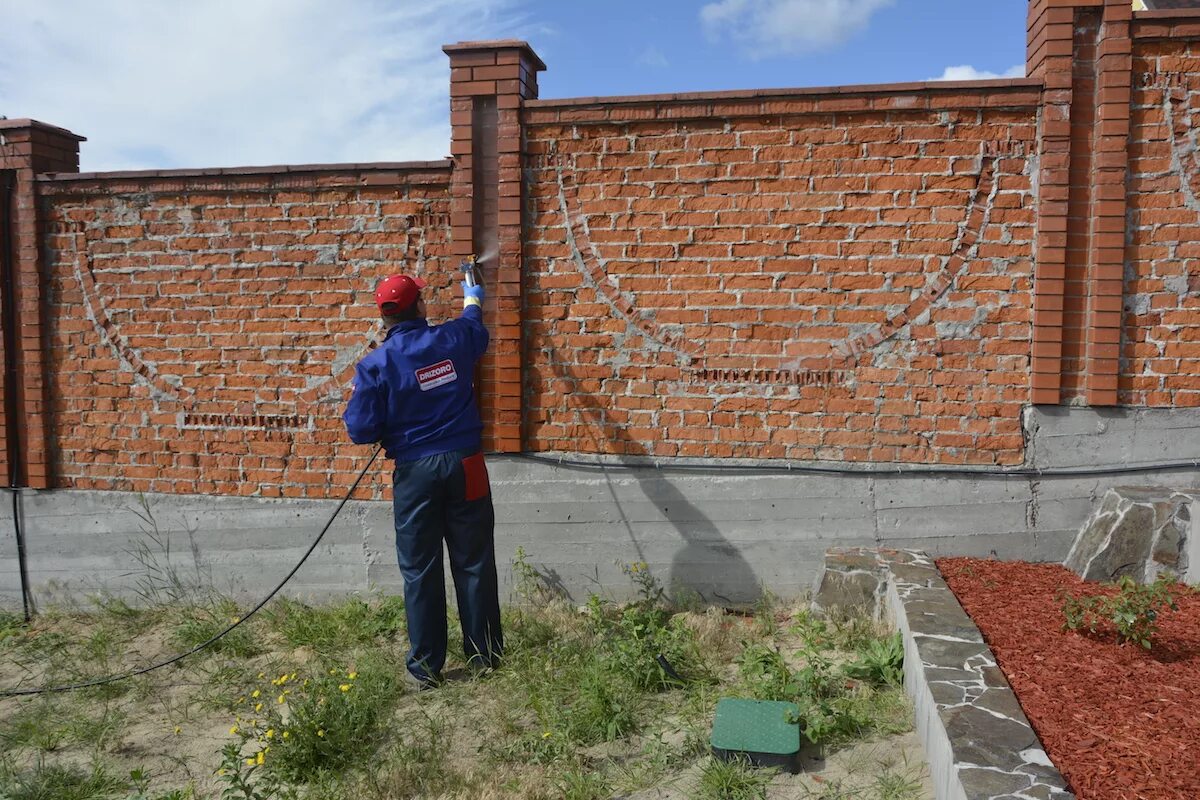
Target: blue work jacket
x,y
415,394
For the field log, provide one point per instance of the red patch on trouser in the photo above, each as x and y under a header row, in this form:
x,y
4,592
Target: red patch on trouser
x,y
475,472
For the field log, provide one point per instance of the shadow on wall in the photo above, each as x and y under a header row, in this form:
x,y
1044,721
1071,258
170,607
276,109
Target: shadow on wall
x,y
707,564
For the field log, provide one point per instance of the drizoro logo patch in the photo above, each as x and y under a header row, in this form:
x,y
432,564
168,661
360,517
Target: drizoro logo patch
x,y
436,375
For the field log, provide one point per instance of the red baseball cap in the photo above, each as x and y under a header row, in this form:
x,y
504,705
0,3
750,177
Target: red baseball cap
x,y
397,293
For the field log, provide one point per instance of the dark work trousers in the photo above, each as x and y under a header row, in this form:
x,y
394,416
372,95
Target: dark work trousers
x,y
436,498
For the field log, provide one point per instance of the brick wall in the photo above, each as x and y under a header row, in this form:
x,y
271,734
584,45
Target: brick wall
x,y
1161,349
886,273
205,327
832,276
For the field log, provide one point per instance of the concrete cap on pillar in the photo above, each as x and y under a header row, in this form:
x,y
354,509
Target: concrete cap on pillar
x,y
497,44
7,124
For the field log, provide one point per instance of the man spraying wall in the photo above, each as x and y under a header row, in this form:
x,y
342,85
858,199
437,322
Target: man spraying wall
x,y
415,394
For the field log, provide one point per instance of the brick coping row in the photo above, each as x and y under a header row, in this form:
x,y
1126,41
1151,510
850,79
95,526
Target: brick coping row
x,y
275,169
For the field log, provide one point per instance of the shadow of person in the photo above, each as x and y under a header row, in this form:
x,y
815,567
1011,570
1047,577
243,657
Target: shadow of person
x,y
708,565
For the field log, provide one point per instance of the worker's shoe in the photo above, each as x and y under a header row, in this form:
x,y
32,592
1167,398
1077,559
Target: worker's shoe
x,y
420,683
480,667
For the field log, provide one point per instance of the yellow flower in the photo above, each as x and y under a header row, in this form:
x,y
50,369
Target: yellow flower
x,y
250,762
241,700
235,620
221,771
233,731
255,693
259,757
270,734
286,734
262,674
546,735
257,707
178,730
321,732
352,675
292,677
345,687
281,698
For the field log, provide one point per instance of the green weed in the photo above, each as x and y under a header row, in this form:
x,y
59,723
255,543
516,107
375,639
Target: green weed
x,y
47,725
302,724
11,626
57,782
832,709
197,624
418,765
880,661
161,581
579,783
894,786
334,628
602,709
1132,612
244,778
733,780
533,588
139,788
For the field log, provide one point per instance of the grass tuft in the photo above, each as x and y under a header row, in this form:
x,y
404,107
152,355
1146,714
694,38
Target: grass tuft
x,y
195,625
58,782
733,780
333,628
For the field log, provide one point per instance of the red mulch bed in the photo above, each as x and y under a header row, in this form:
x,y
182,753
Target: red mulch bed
x,y
1119,722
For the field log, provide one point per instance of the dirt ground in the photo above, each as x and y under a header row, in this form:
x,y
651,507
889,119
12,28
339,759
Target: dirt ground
x,y
172,723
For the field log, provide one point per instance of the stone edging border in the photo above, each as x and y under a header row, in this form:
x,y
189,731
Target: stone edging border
x,y
979,744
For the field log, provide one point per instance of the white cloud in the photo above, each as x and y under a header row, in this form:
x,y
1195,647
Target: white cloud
x,y
764,28
235,82
653,57
965,72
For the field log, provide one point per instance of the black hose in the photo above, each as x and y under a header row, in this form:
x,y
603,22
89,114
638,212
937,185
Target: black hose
x,y
209,642
869,471
14,432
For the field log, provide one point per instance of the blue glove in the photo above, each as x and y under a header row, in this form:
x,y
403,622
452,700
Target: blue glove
x,y
472,292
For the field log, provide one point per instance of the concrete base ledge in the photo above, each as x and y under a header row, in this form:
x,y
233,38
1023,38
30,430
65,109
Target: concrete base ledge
x,y
978,742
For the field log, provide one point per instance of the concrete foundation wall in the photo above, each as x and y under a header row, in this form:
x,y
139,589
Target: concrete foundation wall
x,y
725,535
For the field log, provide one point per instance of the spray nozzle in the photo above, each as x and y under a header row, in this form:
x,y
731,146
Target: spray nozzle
x,y
469,268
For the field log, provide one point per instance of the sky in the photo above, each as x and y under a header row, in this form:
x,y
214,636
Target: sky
x,y
214,83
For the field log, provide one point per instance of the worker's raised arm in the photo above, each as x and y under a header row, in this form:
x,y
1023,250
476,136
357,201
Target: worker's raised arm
x,y
471,321
366,413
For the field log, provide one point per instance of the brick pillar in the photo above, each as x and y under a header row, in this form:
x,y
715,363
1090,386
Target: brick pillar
x,y
1081,50
27,148
489,83
1110,167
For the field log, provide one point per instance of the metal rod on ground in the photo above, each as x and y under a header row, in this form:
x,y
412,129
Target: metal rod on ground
x,y
22,567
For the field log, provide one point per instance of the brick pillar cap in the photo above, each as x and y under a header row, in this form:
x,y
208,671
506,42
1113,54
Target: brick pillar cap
x,y
8,124
497,44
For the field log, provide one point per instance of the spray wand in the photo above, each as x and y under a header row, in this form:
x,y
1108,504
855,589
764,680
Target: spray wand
x,y
471,270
